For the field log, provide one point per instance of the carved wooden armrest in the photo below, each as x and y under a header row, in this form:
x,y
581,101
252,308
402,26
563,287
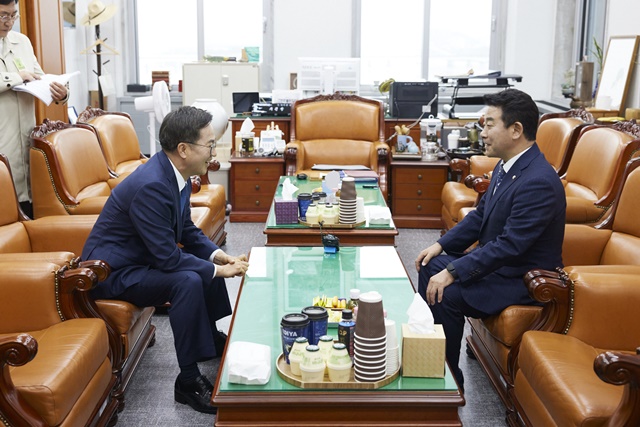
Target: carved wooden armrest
x,y
196,184
460,168
468,180
555,290
16,350
290,159
620,369
480,184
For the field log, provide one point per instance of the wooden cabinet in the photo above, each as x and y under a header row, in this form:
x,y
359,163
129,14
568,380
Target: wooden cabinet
x,y
252,184
416,187
260,124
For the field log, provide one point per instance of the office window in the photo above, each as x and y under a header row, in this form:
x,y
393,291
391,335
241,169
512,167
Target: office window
x,y
395,42
170,34
231,26
167,37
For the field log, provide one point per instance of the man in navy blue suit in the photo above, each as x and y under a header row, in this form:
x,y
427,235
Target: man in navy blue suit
x,y
137,234
518,224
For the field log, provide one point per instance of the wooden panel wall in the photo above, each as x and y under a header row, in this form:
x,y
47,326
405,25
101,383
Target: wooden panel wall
x,y
41,21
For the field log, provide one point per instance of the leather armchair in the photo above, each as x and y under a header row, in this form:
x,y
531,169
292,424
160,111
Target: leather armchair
x,y
56,239
495,340
40,333
70,176
557,137
121,149
338,129
583,366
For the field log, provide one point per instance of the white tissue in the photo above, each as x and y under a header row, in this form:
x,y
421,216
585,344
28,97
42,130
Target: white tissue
x,y
248,363
247,126
288,189
420,316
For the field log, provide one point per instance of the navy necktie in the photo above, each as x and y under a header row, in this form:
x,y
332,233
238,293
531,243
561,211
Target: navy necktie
x,y
501,174
184,197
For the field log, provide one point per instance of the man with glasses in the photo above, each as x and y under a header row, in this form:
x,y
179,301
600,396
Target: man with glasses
x,y
138,234
18,65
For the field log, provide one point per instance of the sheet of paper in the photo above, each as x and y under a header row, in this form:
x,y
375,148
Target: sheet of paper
x,y
40,88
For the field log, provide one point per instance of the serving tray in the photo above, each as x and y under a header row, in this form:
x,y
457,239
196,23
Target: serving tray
x,y
284,370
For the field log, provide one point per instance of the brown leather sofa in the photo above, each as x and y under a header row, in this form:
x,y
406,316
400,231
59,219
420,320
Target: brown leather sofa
x,y
583,367
121,149
56,239
55,366
557,137
338,129
69,175
496,339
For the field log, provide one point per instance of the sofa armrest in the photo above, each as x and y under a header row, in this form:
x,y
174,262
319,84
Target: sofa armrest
x,y
583,245
552,288
622,369
60,232
291,152
459,168
16,350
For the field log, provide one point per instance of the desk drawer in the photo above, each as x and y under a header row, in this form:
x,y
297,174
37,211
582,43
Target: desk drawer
x,y
418,191
416,175
255,187
253,203
417,207
246,171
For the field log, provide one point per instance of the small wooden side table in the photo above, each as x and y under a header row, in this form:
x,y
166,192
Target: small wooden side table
x,y
252,184
416,188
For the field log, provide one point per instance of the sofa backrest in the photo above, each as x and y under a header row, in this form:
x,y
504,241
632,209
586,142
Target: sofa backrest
x,y
595,162
624,245
27,297
13,236
553,138
117,137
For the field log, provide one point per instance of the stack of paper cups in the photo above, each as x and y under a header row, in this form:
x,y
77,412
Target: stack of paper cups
x,y
393,348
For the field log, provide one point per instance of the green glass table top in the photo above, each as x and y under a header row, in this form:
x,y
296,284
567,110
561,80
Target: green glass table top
x,y
284,280
372,197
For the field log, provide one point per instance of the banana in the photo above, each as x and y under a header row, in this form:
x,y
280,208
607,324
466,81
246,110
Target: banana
x,y
405,130
398,130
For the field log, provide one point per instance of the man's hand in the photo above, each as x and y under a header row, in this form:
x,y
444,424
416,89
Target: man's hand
x,y
235,269
28,76
436,286
425,256
58,91
233,259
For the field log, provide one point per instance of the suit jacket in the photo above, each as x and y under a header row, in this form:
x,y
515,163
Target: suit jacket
x,y
140,226
518,228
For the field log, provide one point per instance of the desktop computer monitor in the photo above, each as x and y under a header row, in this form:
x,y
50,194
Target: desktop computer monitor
x,y
243,101
406,99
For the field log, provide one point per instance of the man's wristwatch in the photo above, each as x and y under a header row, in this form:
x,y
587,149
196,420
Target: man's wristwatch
x,y
452,270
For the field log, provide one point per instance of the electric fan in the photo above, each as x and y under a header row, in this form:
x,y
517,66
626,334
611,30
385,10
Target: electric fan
x,y
158,106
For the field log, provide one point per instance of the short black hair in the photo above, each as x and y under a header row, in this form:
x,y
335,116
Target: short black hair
x,y
8,2
516,106
183,125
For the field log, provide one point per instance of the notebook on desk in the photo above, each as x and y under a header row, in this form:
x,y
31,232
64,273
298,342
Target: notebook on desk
x,y
363,175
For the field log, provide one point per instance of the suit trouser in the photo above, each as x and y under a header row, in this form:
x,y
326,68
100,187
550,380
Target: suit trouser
x,y
450,312
195,307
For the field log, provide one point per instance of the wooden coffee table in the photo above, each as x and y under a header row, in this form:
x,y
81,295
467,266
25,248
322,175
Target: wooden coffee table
x,y
282,280
298,234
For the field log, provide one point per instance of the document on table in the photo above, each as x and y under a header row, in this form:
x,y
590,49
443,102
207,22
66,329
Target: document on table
x,y
40,88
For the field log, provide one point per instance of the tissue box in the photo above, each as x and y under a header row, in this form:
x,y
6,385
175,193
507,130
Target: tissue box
x,y
423,355
286,211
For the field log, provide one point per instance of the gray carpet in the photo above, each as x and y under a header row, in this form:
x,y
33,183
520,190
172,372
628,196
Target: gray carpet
x,y
149,398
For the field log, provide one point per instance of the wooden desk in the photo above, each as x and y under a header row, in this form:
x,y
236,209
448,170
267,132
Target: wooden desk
x,y
284,280
298,234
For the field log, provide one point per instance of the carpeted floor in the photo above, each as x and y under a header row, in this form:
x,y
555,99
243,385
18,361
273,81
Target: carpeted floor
x,y
149,398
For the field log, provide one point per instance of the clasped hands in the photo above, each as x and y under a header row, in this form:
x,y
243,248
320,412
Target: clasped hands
x,y
438,282
230,266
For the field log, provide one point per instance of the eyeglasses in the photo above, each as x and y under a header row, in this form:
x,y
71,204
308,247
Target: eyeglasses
x,y
211,147
5,18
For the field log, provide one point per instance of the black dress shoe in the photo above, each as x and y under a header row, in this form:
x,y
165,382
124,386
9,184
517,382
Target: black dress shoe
x,y
196,394
219,340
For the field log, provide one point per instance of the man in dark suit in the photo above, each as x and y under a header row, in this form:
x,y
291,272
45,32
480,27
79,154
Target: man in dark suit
x,y
138,233
518,224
